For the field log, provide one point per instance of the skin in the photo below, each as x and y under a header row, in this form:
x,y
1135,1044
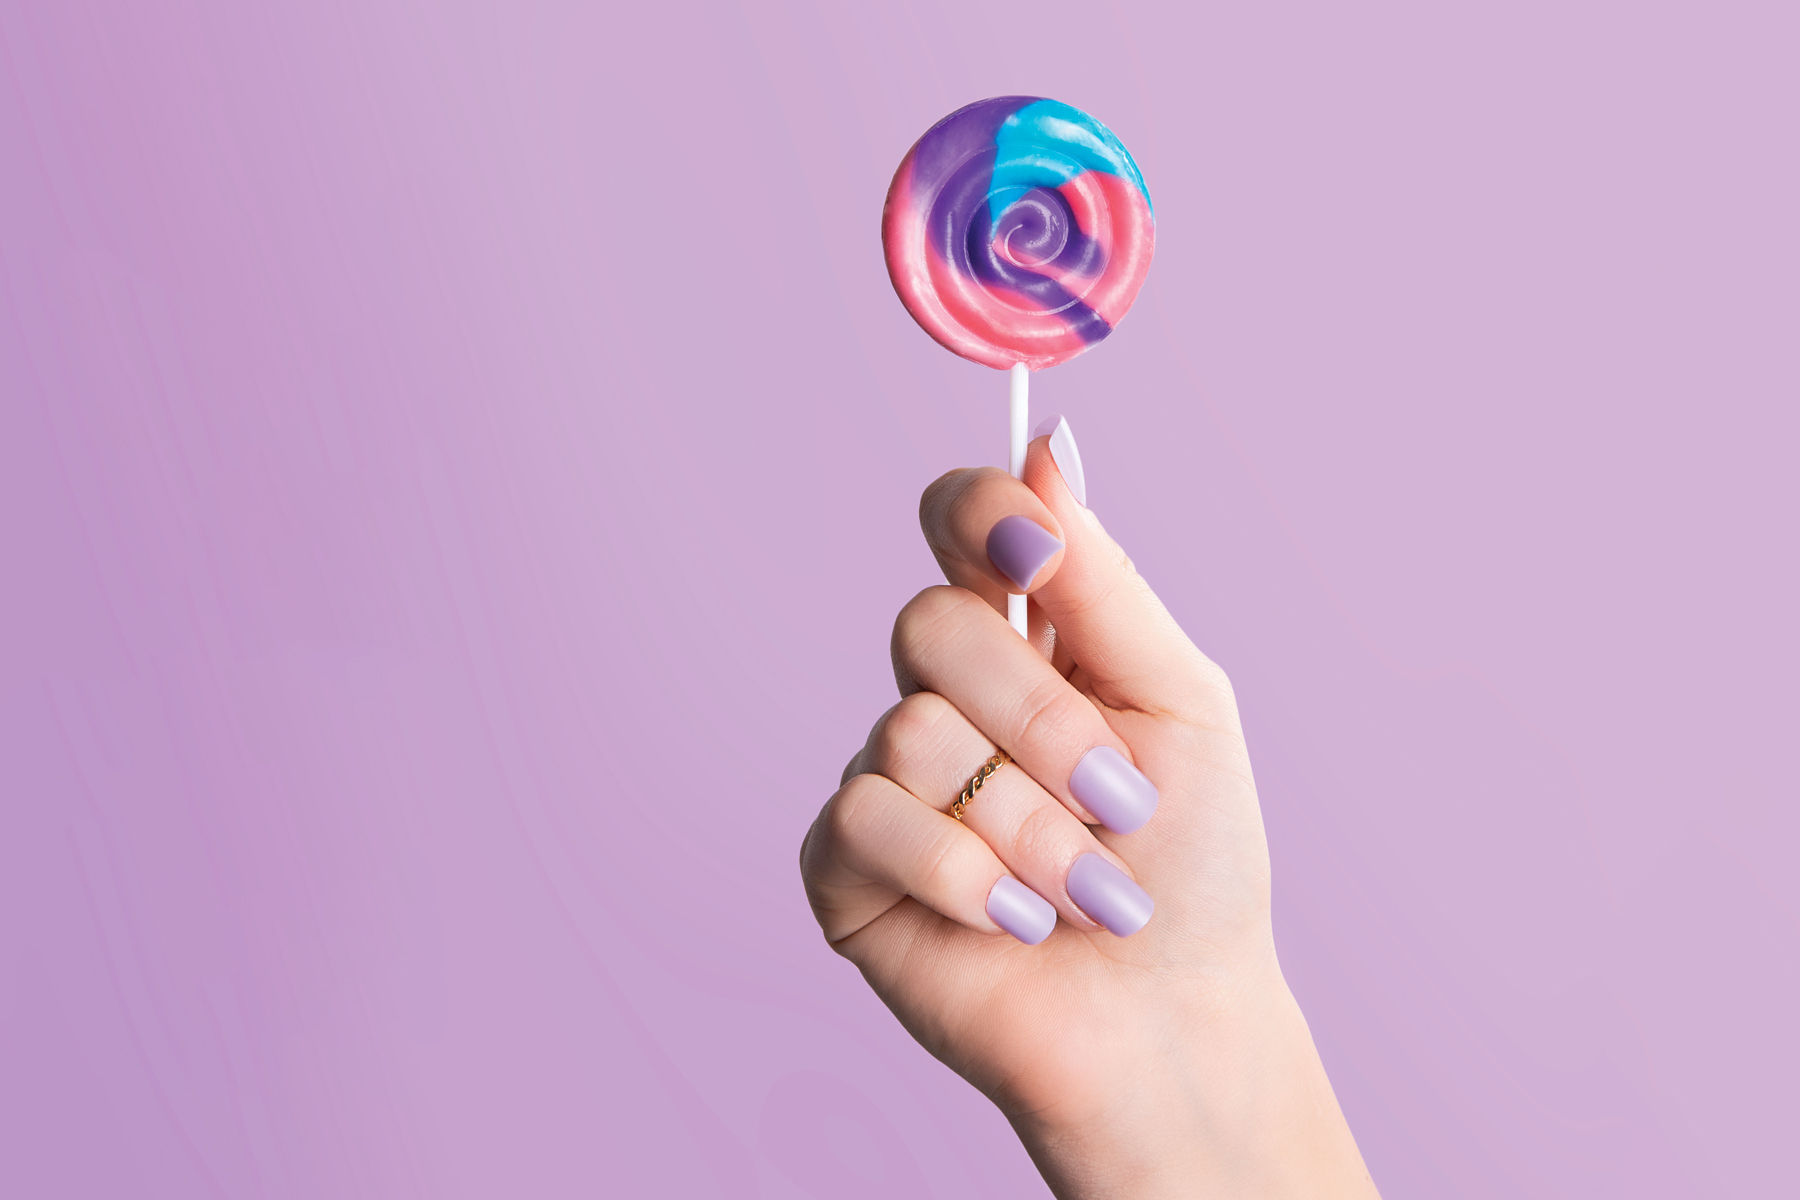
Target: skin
x,y
1174,1062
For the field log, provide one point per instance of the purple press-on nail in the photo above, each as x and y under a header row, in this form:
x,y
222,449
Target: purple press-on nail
x,y
1020,911
1105,893
1065,455
1019,547
1112,789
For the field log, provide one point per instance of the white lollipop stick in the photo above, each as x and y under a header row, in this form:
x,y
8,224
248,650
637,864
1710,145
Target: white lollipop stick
x,y
1021,426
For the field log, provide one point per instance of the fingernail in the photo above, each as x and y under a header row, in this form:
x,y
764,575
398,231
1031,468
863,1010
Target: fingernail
x,y
1020,911
1105,893
1019,547
1065,455
1112,789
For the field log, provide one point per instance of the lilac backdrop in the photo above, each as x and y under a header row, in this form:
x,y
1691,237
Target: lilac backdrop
x,y
458,468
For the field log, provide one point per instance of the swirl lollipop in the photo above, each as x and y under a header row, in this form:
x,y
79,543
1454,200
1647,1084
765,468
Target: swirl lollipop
x,y
1018,231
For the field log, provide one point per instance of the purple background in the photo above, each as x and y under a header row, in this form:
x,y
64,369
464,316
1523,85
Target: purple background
x,y
457,472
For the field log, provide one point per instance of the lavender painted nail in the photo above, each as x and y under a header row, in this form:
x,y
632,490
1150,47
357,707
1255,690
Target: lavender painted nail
x,y
1020,911
1019,547
1113,790
1105,893
1065,455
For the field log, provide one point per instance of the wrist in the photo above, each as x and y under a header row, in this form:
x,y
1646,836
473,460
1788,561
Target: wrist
x,y
1234,1101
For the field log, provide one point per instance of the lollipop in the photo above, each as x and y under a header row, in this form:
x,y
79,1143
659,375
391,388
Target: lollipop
x,y
1017,233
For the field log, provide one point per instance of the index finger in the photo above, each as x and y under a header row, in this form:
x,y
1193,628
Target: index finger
x,y
1106,617
989,533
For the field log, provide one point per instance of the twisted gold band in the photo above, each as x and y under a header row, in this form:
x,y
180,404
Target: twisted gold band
x,y
976,780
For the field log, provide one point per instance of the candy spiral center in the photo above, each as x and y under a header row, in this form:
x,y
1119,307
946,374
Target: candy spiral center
x,y
1034,229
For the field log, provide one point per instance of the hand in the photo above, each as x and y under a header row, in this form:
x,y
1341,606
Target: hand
x,y
1146,1044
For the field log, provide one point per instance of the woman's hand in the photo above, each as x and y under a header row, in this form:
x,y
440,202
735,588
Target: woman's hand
x,y
1090,946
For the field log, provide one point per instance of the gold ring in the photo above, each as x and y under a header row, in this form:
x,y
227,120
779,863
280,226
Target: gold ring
x,y
976,780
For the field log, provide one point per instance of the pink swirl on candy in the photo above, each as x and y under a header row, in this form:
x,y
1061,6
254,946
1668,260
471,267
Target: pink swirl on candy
x,y
1018,230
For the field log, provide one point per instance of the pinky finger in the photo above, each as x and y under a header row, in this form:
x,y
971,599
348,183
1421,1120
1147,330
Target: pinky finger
x,y
875,842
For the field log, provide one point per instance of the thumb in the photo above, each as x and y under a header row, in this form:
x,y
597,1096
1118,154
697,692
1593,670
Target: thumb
x,y
1110,621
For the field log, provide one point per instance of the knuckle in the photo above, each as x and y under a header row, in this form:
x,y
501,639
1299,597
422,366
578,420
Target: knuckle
x,y
1050,713
848,813
1121,561
1097,600
925,616
940,863
909,726
1212,702
1039,833
1214,676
